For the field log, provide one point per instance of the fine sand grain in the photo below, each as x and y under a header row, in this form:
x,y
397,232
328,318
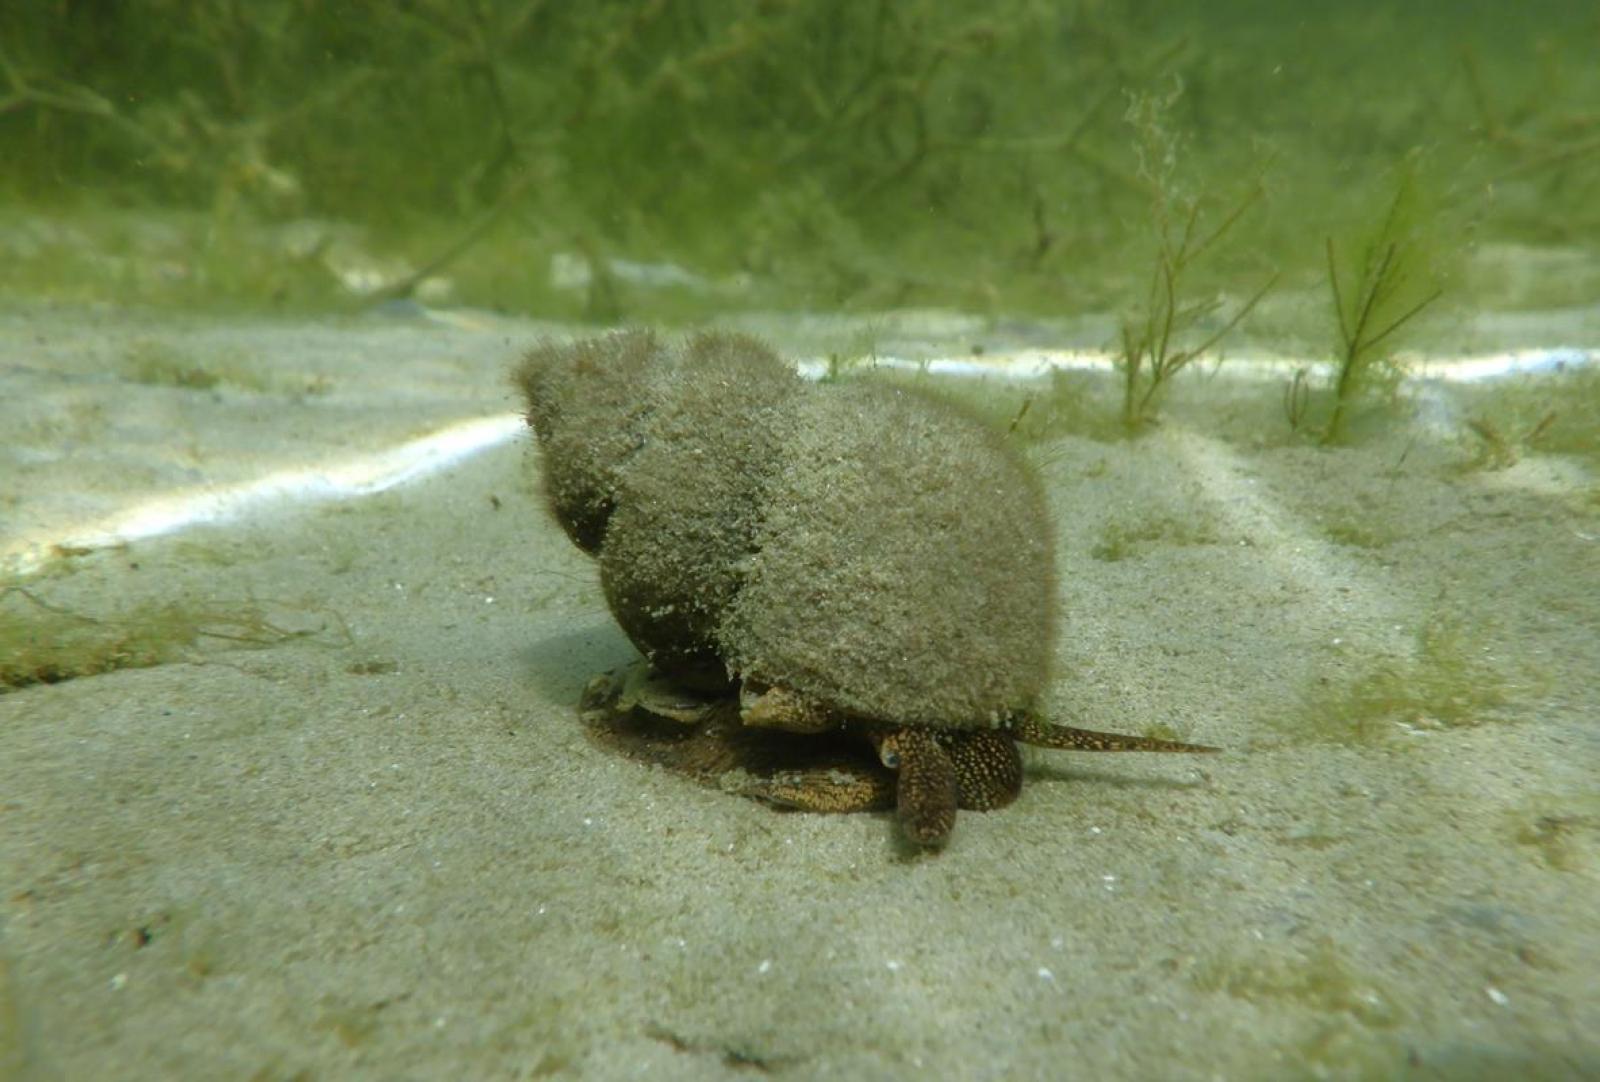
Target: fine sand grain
x,y
370,840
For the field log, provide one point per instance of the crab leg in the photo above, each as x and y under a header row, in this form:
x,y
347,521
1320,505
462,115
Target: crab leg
x,y
926,792
822,789
987,765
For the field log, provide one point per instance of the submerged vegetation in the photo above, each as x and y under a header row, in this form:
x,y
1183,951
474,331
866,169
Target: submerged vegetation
x,y
1558,413
1156,341
673,159
1387,284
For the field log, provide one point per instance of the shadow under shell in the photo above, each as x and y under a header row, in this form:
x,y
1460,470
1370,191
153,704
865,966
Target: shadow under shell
x,y
823,772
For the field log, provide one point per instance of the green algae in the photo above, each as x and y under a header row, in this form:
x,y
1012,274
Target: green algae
x,y
1451,680
1323,979
1127,540
1563,834
43,643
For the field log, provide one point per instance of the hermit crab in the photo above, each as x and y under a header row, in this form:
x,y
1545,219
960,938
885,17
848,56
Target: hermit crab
x,y
844,594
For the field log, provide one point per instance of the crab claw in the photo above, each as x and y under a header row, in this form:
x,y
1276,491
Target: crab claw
x,y
781,708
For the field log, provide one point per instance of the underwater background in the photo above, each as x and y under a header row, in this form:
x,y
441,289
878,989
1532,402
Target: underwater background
x,y
1294,311
671,160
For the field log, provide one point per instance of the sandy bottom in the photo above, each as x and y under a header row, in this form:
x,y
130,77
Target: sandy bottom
x,y
366,837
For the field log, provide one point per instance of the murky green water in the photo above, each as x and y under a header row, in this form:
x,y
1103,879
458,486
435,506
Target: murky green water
x,y
674,160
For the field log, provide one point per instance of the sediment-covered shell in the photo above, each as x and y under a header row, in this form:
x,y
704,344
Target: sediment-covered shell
x,y
903,570
865,546
585,405
689,499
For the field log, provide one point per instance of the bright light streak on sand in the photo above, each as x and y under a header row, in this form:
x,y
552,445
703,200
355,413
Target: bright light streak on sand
x,y
362,475
416,459
1032,363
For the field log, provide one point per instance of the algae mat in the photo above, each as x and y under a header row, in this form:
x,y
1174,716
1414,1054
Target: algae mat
x,y
343,822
